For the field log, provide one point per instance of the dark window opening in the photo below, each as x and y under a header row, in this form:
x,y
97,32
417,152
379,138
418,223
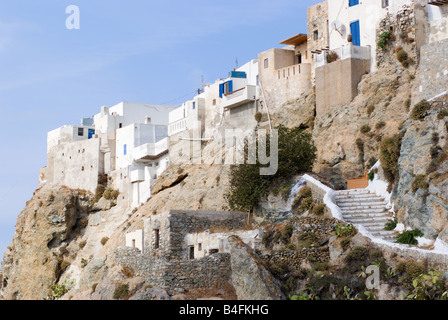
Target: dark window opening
x,y
199,246
156,238
80,132
191,252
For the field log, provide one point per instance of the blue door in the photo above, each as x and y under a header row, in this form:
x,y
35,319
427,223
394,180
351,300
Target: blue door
x,y
356,34
91,133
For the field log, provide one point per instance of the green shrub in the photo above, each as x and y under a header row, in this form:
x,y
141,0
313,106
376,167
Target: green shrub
x,y
442,114
285,190
305,192
420,109
321,266
357,254
278,269
296,154
122,291
258,116
428,286
391,225
384,39
102,179
407,103
402,57
287,233
83,222
82,244
380,125
389,155
419,182
409,271
110,194
57,291
409,237
332,57
365,129
99,192
104,240
319,209
306,204
371,175
345,231
345,243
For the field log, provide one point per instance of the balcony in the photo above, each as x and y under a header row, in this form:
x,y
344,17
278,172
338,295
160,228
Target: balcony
x,y
437,2
239,97
348,51
151,151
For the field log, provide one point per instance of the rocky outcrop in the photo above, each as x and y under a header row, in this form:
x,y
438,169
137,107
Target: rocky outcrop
x,y
38,254
422,149
250,277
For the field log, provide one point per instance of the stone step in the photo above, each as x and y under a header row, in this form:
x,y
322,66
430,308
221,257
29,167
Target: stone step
x,y
365,210
360,197
350,192
363,221
362,207
369,202
384,233
370,214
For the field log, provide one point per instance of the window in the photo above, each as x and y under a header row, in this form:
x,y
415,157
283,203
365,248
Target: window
x,y
316,35
120,125
191,252
133,243
156,238
385,3
225,88
299,58
125,151
80,132
214,102
194,104
199,246
352,3
266,63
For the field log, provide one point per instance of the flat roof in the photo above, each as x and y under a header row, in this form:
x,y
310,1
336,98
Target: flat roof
x,y
295,40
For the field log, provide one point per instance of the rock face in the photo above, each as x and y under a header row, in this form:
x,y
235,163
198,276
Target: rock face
x,y
250,277
424,208
36,257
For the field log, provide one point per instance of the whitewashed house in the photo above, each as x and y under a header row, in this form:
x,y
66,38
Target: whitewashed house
x,y
128,142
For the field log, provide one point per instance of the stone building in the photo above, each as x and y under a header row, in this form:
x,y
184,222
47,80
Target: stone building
x,y
128,142
228,103
185,249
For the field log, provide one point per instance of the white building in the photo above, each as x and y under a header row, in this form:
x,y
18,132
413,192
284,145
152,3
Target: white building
x,y
358,19
128,142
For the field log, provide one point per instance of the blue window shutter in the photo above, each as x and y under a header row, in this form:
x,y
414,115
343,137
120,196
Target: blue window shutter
x,y
221,90
194,105
91,133
231,86
356,35
352,3
124,150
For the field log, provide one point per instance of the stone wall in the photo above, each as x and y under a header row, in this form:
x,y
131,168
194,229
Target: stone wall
x,y
173,226
433,69
337,83
211,271
403,26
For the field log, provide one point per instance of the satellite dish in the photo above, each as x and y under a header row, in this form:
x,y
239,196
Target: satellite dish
x,y
339,27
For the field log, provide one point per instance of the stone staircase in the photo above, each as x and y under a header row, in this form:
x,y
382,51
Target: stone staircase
x,y
359,207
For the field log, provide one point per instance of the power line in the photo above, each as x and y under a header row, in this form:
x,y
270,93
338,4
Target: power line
x,y
184,96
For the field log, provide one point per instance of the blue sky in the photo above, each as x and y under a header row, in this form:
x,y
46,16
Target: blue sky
x,y
135,50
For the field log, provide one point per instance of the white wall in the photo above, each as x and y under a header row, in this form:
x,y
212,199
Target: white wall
x,y
65,134
135,240
438,22
75,165
368,12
